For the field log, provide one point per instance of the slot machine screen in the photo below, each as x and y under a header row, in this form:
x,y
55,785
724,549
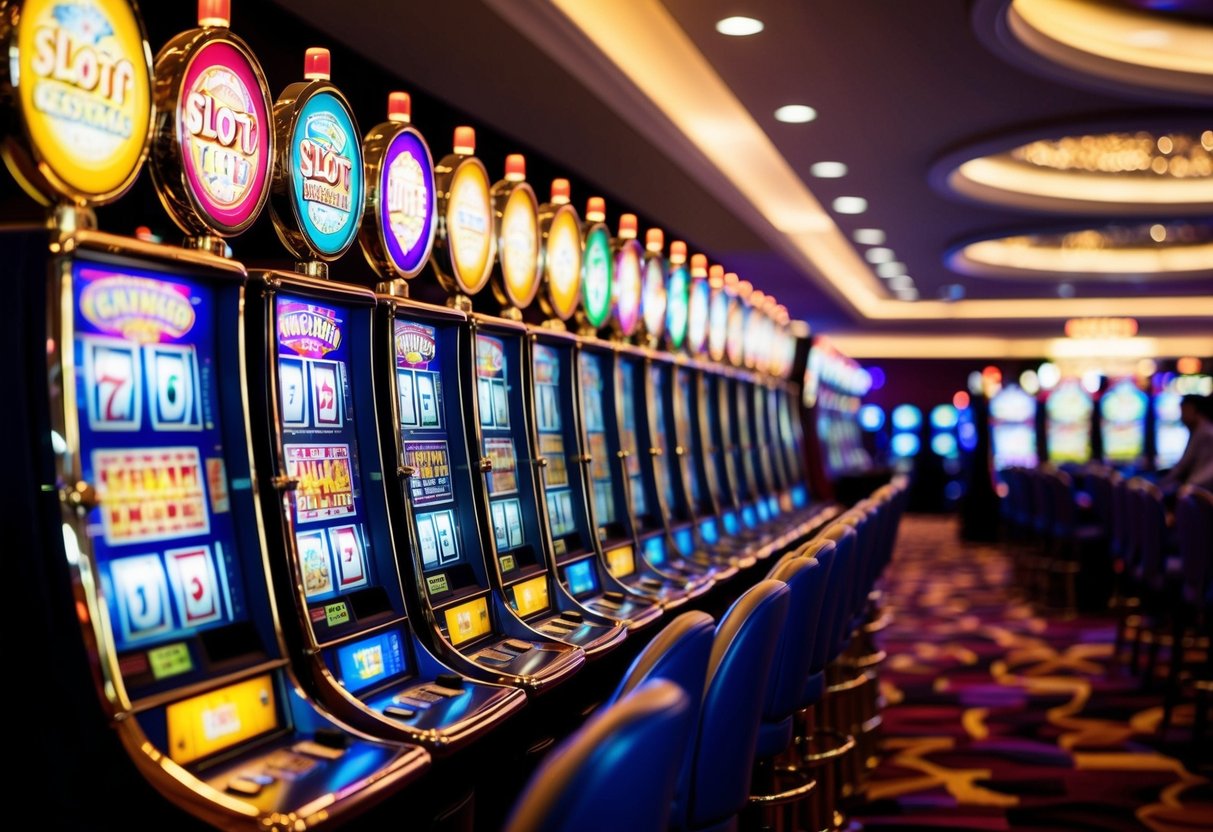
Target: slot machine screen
x,y
566,537
320,447
150,391
665,477
1171,435
371,660
1122,412
581,578
686,434
1068,425
597,446
1013,428
505,501
628,370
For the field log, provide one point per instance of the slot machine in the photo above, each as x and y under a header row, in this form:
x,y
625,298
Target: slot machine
x,y
576,557
1122,424
340,545
784,439
634,420
603,458
1068,411
677,383
1013,428
472,577
163,533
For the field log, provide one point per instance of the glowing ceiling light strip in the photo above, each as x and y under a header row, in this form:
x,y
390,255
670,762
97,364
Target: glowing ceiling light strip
x,y
1006,258
861,346
636,57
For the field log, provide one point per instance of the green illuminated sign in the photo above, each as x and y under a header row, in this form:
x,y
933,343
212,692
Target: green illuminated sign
x,y
336,614
676,305
170,660
436,583
596,276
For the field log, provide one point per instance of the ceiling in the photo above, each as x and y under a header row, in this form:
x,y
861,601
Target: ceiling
x,y
897,87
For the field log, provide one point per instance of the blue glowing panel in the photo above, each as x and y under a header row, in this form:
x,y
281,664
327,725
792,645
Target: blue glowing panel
x,y
730,522
654,550
749,516
907,417
146,346
944,417
905,445
944,444
871,417
685,541
709,532
581,577
368,661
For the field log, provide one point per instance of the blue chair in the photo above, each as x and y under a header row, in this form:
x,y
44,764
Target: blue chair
x,y
618,771
715,787
679,654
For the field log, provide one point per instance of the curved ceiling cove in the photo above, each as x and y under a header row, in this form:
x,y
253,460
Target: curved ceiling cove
x,y
1106,45
1171,251
1114,173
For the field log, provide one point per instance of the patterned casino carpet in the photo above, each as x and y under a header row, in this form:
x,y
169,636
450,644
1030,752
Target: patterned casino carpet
x,y
1001,719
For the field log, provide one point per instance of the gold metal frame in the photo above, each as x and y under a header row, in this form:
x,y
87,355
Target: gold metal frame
x,y
370,233
501,194
547,218
449,276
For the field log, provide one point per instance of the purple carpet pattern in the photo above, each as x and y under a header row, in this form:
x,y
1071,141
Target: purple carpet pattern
x,y
999,718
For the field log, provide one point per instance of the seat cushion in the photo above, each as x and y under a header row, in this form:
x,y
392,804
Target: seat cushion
x,y
814,690
773,738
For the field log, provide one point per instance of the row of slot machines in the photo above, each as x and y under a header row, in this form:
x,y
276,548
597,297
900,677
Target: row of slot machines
x,y
320,534
1134,429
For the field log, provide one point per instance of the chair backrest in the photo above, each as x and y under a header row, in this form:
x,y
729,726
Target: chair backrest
x,y
1151,518
836,615
679,653
618,771
1194,528
716,786
1061,495
794,653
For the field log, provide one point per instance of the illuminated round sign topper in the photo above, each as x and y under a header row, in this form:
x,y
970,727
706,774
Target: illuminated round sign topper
x,y
718,314
678,286
79,74
398,227
652,292
629,258
697,307
561,230
734,346
319,196
466,240
597,268
214,145
517,214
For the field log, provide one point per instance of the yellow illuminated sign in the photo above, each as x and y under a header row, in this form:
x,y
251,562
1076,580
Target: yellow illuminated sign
x,y
531,596
621,561
206,724
467,621
84,85
518,249
562,263
469,227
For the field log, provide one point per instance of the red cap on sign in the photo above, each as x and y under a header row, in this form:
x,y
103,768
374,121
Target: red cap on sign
x,y
399,107
716,275
731,280
560,191
628,226
515,167
678,252
316,64
744,288
654,239
595,209
214,13
465,141
699,265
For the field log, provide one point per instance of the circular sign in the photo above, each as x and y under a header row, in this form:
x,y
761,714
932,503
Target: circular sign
x,y
749,327
697,317
628,263
562,262
677,299
718,321
214,145
327,182
652,296
596,277
518,246
734,344
468,226
405,201
82,74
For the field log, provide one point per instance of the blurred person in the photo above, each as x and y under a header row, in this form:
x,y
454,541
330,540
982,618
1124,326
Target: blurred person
x,y
1195,467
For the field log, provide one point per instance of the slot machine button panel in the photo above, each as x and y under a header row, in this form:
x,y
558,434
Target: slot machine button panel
x,y
244,786
399,712
518,645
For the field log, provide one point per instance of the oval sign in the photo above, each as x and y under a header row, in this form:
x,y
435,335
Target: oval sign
x,y
562,262
697,317
596,277
628,263
83,77
677,300
327,180
469,226
518,246
734,345
223,129
652,296
718,321
406,202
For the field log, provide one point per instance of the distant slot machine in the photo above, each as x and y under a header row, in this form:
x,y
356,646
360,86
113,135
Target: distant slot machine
x,y
1013,428
1170,433
1122,423
1068,411
834,387
907,432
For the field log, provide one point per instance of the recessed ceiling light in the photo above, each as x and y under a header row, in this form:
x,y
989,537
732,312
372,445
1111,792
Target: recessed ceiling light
x,y
1158,233
828,170
795,114
850,205
901,282
876,237
879,254
894,268
1065,290
739,27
